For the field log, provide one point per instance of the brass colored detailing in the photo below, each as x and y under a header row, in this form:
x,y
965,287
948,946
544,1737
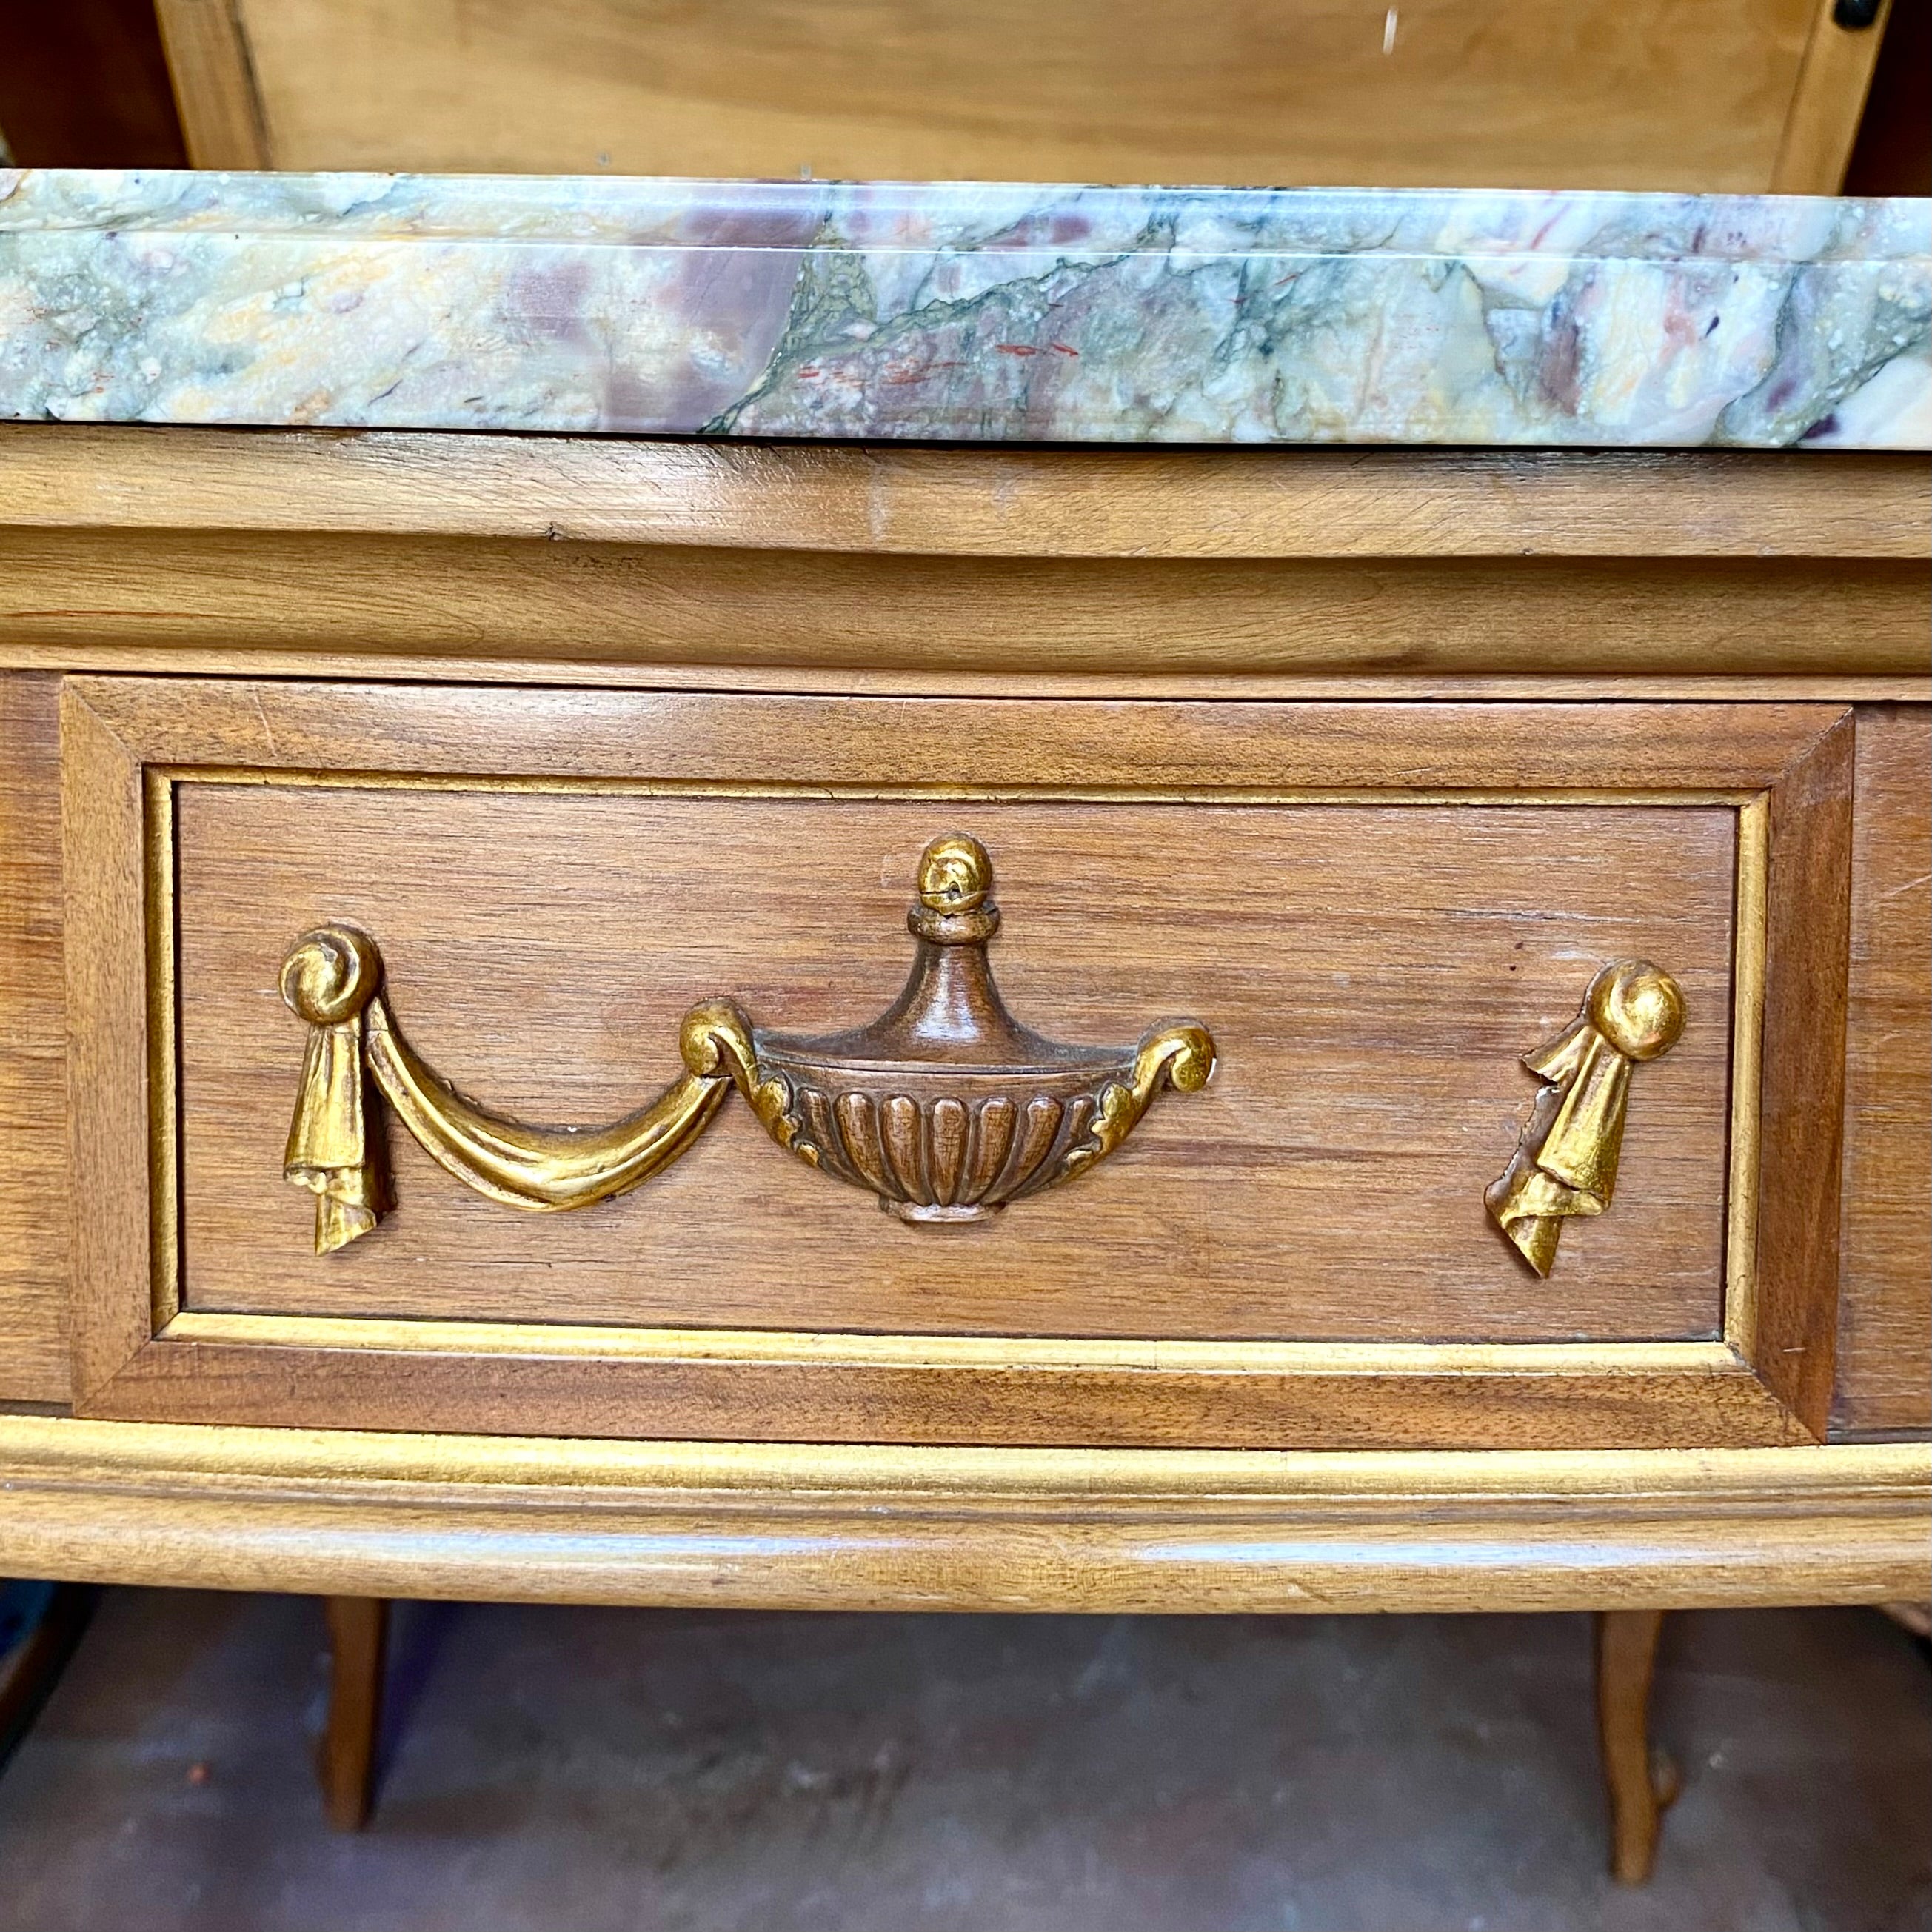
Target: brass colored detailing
x,y
334,1150
717,1038
1181,1054
944,1107
331,979
1566,1162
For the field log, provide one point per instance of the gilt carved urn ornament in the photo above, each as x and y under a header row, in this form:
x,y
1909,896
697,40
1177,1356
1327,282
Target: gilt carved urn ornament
x,y
945,1107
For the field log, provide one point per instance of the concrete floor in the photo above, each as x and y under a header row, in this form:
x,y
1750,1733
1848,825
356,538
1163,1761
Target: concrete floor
x,y
577,1770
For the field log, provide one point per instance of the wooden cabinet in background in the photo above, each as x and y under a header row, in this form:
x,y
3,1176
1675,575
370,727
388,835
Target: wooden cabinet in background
x,y
1747,97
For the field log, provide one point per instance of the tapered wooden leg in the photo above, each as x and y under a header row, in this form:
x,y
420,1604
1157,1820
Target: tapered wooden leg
x,y
359,1631
1642,1781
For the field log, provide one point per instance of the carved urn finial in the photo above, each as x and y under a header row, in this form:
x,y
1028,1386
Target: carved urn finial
x,y
946,1107
955,890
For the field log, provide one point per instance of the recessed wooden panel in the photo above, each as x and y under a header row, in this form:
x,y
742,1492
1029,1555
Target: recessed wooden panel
x,y
1371,972
1611,94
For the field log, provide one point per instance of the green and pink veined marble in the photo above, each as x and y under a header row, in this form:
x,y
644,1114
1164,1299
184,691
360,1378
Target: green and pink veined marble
x,y
961,313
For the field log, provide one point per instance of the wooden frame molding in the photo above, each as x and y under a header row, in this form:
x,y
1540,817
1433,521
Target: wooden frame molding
x,y
743,1526
213,77
884,500
1786,768
960,116
1821,126
1250,572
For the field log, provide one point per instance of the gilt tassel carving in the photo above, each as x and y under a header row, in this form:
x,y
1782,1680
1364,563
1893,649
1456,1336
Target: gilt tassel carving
x,y
1565,1164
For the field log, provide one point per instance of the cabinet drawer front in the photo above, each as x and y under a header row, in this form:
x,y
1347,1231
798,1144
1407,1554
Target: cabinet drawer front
x,y
1378,910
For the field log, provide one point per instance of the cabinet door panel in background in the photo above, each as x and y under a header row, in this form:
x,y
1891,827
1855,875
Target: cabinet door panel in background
x,y
1609,94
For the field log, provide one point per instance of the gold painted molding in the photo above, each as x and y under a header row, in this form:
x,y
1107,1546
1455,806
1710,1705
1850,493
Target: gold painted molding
x,y
741,1525
587,1341
157,1452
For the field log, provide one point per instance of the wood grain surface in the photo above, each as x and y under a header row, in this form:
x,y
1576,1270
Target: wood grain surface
x,y
725,1525
115,1208
1885,1329
215,85
1681,1395
1175,761
1821,127
1640,1782
1207,750
1885,1298
391,598
987,501
358,1644
1027,686
445,556
1444,91
1331,575
33,1047
1801,1118
1371,973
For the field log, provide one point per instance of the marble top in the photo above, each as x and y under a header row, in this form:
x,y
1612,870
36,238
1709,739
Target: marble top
x,y
964,312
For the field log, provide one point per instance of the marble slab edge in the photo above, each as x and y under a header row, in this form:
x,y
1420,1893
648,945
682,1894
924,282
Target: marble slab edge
x,y
965,313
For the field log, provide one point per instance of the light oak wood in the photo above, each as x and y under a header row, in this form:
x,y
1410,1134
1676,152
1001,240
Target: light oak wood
x,y
1208,752
1373,1061
1764,598
1697,1395
1894,1304
1641,1780
1822,125
33,1048
1793,1315
1025,686
439,554
755,749
110,1240
358,1632
739,1526
1442,91
388,600
1132,503
1885,1332
1361,504
215,92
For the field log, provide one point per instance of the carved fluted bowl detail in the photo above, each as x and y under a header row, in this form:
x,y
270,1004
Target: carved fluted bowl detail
x,y
990,1138
946,1107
